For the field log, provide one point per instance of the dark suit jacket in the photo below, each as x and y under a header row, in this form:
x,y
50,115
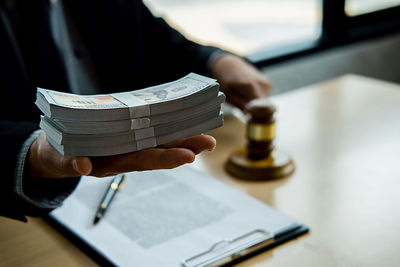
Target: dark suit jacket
x,y
130,48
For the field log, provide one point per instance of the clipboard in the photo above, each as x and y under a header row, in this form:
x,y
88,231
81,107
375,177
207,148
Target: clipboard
x,y
215,249
231,251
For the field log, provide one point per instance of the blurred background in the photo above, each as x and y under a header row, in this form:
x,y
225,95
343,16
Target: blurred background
x,y
296,42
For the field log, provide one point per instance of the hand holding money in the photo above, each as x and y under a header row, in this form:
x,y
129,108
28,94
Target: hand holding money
x,y
44,161
120,123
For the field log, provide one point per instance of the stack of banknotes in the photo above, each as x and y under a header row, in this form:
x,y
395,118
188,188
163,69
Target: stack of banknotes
x,y
103,125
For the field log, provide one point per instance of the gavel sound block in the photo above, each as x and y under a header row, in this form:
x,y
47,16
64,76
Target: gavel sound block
x,y
260,160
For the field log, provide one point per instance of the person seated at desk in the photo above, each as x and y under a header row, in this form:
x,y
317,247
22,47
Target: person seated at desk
x,y
90,47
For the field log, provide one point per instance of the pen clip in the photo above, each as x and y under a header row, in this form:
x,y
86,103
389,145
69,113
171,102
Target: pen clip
x,y
118,182
222,251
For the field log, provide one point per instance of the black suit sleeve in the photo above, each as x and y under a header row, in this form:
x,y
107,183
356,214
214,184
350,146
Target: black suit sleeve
x,y
170,53
18,120
131,48
12,136
33,197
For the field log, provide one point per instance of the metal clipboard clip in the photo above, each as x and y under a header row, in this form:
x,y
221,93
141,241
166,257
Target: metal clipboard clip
x,y
228,250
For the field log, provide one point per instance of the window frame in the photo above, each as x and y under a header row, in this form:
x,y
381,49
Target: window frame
x,y
337,29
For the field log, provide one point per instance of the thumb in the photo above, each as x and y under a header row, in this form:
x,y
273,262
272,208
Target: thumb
x,y
81,165
60,166
45,162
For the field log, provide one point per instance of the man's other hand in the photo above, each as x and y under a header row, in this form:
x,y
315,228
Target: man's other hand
x,y
239,80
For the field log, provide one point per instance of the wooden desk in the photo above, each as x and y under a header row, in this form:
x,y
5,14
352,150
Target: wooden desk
x,y
344,136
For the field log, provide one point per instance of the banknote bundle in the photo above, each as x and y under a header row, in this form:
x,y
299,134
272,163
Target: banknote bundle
x,y
110,124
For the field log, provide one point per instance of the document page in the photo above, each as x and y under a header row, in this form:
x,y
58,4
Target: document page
x,y
160,218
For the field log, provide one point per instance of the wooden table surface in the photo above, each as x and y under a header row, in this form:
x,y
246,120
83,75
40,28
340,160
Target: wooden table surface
x,y
344,136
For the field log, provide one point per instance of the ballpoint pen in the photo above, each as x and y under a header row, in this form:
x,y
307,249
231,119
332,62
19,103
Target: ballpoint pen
x,y
108,197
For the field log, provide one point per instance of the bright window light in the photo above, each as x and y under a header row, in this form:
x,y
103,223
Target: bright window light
x,y
242,26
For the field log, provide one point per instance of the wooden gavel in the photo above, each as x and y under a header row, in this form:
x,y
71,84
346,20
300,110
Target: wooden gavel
x,y
260,129
260,159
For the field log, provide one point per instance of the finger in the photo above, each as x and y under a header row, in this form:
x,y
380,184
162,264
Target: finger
x,y
59,166
82,165
251,90
237,101
196,143
148,159
265,88
247,91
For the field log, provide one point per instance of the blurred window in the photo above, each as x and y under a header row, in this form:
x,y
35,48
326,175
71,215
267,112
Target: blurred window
x,y
242,26
358,7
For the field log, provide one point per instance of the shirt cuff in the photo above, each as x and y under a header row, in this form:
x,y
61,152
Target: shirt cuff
x,y
36,192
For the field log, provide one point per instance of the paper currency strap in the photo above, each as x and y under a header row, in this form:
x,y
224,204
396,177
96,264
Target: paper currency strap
x,y
139,123
137,107
261,132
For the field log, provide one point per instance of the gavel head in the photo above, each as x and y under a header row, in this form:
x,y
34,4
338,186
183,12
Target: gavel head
x,y
260,160
260,129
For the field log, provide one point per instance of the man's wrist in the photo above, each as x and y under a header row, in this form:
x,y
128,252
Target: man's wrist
x,y
36,192
214,57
